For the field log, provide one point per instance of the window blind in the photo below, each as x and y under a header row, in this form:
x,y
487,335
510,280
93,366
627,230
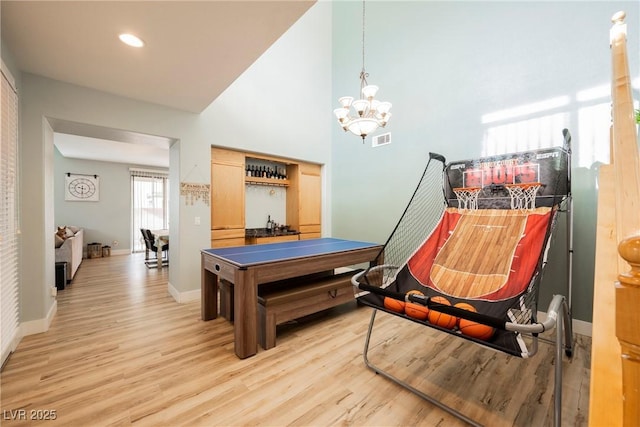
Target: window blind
x,y
149,173
9,218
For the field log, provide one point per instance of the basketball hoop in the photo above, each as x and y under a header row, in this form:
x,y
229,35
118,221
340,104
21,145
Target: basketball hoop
x,y
467,197
523,196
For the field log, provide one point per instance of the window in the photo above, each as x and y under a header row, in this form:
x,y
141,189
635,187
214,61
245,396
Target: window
x,y
150,206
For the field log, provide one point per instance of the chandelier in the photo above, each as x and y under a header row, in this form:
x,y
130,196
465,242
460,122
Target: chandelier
x,y
370,114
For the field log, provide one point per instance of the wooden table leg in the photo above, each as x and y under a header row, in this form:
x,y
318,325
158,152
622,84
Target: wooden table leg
x,y
245,313
208,292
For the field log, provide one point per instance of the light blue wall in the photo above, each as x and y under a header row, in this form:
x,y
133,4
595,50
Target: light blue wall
x,y
105,221
261,111
444,65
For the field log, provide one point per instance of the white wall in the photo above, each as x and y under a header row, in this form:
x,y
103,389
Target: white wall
x,y
261,111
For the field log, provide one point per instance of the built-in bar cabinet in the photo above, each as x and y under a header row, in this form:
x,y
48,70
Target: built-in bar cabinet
x,y
232,171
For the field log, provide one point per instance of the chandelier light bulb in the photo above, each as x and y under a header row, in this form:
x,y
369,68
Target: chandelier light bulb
x,y
341,113
346,101
361,106
384,108
369,91
363,127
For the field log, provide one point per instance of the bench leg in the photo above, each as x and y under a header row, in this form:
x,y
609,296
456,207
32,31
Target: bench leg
x,y
266,328
226,300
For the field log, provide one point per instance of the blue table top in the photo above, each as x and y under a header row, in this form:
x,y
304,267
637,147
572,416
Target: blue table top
x,y
245,256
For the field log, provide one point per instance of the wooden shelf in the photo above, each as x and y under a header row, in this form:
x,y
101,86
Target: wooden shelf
x,y
266,181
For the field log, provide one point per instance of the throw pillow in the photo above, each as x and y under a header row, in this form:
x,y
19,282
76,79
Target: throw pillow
x,y
69,232
59,241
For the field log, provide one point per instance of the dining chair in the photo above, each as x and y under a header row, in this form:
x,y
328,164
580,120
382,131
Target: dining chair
x,y
150,247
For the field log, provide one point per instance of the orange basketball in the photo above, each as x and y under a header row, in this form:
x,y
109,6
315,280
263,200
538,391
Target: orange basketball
x,y
441,319
394,305
417,311
476,330
464,306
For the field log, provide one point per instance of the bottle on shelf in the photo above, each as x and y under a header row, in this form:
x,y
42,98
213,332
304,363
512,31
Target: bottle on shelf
x,y
270,224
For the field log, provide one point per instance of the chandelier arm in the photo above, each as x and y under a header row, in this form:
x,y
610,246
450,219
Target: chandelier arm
x,y
363,80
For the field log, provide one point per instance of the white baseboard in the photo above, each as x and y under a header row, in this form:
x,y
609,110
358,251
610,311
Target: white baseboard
x,y
120,252
114,252
39,325
182,297
579,326
14,344
340,270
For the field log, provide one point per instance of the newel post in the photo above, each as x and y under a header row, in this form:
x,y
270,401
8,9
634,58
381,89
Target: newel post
x,y
627,183
628,329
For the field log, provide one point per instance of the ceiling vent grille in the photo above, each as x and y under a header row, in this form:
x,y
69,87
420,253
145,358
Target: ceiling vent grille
x,y
379,140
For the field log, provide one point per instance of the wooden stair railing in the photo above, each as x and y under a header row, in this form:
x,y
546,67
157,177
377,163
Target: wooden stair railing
x,y
615,361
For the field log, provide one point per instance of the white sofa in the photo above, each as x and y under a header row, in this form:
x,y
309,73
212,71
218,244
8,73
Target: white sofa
x,y
70,251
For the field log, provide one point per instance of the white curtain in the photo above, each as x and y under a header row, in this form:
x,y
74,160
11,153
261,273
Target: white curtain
x,y
150,191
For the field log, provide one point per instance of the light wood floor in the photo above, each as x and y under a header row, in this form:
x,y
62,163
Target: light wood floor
x,y
121,351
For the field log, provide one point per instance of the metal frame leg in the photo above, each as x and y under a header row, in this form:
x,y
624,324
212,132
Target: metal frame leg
x,y
407,386
563,341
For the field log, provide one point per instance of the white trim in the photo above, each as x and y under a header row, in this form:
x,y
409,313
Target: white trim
x,y
579,326
182,297
39,325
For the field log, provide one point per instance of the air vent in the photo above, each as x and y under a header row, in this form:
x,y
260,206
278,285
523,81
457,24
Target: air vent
x,y
379,140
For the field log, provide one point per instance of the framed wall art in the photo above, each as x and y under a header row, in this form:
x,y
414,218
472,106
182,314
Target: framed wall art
x,y
82,187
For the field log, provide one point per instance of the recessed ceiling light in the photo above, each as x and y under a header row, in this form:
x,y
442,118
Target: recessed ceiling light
x,y
131,40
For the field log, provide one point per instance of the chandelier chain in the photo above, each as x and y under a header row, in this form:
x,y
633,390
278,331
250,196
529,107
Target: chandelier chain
x,y
363,27
363,73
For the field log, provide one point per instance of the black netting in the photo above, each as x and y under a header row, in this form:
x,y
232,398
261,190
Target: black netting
x,y
418,220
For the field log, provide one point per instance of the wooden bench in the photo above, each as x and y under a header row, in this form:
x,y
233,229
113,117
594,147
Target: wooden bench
x,y
289,299
279,304
226,289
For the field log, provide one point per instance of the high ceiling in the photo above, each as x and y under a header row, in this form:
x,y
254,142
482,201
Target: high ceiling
x,y
193,49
